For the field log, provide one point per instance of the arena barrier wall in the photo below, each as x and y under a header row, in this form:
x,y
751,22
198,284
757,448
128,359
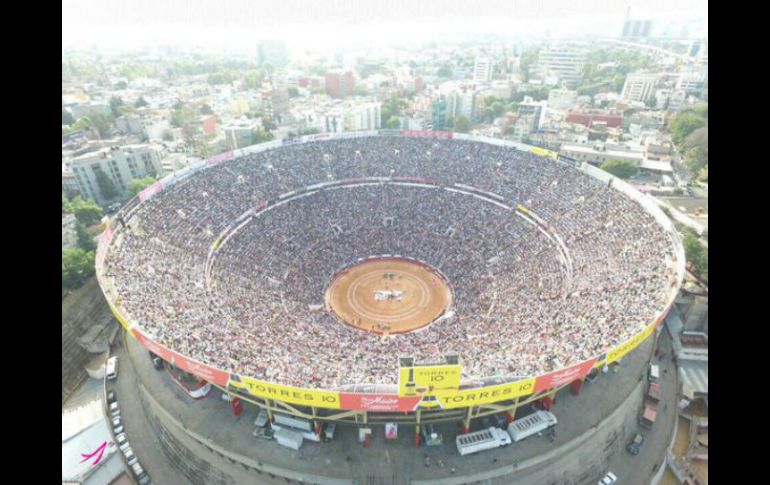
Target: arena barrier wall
x,y
386,402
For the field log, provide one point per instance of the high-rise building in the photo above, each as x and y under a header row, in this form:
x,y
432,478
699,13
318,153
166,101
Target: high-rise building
x,y
440,115
636,29
482,70
565,62
639,86
339,83
119,164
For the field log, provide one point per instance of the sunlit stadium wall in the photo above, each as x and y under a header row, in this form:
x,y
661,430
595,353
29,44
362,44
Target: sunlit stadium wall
x,y
356,396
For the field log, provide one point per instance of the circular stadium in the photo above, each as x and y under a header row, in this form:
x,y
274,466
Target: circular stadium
x,y
390,272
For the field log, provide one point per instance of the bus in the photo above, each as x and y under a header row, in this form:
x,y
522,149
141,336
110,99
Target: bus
x,y
482,440
532,424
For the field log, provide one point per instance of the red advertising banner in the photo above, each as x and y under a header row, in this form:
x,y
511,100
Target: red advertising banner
x,y
220,158
426,134
203,371
564,376
378,402
150,191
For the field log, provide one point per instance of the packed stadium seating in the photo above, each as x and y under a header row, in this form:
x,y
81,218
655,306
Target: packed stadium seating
x,y
518,310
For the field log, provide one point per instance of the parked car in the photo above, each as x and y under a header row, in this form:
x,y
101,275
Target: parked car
x,y
635,444
265,433
608,479
130,456
117,427
121,438
111,397
114,409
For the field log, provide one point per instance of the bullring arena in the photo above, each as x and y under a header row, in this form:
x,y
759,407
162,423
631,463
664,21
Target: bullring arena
x,y
511,271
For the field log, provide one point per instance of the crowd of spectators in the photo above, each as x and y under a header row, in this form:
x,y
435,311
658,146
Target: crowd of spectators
x,y
520,307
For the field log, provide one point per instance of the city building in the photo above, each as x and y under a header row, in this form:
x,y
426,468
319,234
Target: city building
x,y
69,184
588,117
639,86
636,29
339,83
561,99
80,110
352,116
563,62
535,110
693,81
440,115
240,133
670,99
482,70
119,164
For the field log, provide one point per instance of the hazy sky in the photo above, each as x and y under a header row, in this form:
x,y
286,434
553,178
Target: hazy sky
x,y
121,23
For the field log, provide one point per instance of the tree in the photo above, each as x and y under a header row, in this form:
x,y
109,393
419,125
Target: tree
x,y
393,123
77,266
444,71
106,186
528,58
261,136
683,125
121,85
141,102
66,117
703,175
86,210
620,168
206,110
695,252
293,92
85,239
462,124
115,103
137,185
102,123
65,204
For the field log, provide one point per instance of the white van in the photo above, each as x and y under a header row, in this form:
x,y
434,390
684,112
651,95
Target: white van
x,y
654,373
112,368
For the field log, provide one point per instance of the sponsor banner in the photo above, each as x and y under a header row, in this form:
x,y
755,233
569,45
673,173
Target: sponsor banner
x,y
193,367
631,344
150,191
321,136
563,376
222,157
486,395
123,322
544,153
294,395
389,132
428,380
378,402
426,134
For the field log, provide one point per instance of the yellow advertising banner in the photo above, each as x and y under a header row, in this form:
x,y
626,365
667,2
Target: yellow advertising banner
x,y
487,395
544,153
117,314
428,380
293,395
630,344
